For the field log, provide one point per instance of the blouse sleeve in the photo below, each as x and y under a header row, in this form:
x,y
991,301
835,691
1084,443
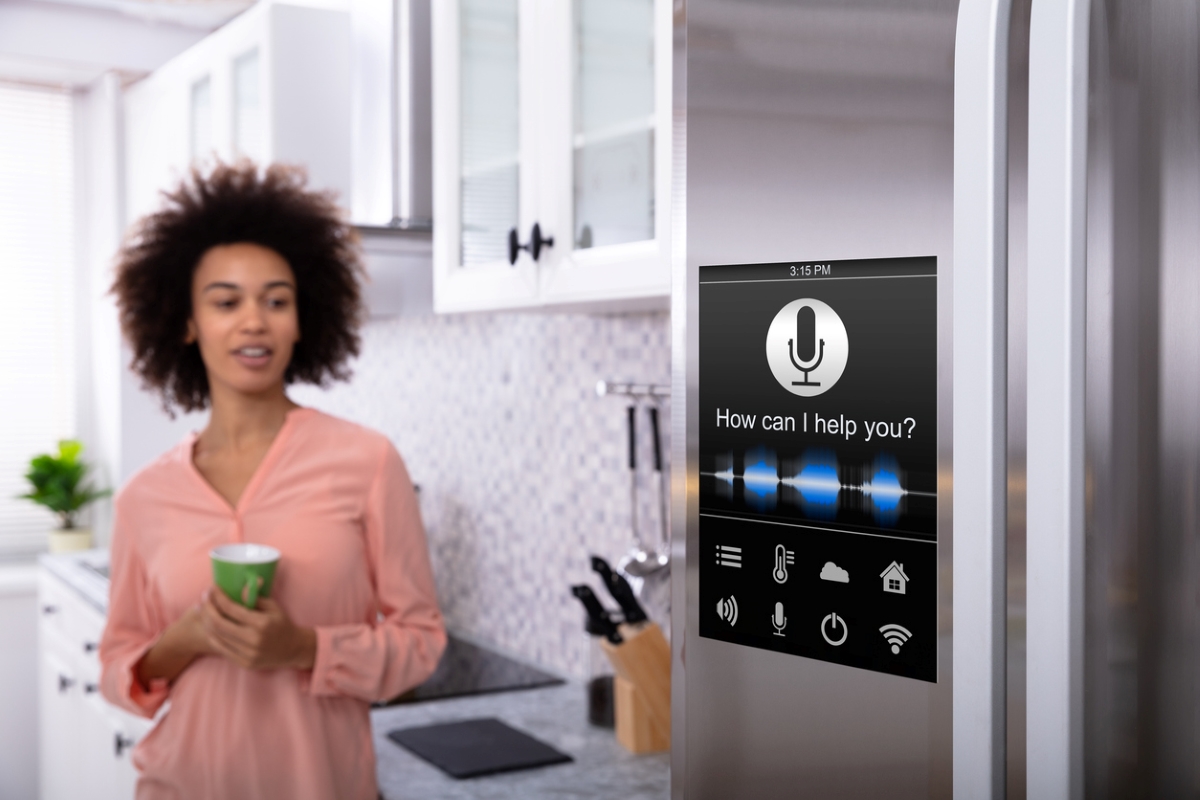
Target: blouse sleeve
x,y
380,660
129,630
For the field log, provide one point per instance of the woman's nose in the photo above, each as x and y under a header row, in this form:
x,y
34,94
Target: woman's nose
x,y
254,319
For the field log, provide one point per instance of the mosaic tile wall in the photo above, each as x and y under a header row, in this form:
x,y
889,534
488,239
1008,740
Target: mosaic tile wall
x,y
523,469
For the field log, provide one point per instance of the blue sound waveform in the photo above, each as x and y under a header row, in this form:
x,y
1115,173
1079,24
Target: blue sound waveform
x,y
815,483
818,483
884,489
760,479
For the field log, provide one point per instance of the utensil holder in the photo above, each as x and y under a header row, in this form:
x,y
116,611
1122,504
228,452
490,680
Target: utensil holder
x,y
642,688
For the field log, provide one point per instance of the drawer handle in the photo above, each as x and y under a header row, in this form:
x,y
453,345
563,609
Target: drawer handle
x,y
47,610
64,683
121,743
90,688
90,647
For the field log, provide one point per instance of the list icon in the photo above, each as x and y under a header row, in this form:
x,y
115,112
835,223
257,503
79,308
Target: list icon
x,y
729,556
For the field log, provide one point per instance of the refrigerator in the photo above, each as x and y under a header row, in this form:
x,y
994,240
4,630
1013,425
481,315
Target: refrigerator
x,y
936,398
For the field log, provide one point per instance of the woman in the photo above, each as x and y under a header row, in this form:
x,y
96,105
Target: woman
x,y
241,285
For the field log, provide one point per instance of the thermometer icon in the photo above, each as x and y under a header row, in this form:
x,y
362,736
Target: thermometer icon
x,y
783,557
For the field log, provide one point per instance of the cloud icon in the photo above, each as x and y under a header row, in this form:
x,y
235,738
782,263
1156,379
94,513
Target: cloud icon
x,y
832,572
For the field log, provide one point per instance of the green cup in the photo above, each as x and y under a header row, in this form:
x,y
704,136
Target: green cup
x,y
244,572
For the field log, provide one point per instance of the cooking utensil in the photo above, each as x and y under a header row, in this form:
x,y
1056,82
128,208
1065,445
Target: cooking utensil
x,y
621,591
599,623
639,562
664,544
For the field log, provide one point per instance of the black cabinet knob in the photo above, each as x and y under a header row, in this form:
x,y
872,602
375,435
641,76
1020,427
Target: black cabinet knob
x,y
48,610
90,688
90,647
533,246
64,683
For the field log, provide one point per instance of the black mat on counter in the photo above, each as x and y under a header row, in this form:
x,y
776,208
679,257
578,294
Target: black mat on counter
x,y
470,748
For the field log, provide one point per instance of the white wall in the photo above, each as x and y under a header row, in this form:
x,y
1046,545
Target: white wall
x,y
122,426
18,682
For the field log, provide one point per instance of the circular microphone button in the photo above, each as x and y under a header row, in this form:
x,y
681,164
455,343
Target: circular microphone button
x,y
833,627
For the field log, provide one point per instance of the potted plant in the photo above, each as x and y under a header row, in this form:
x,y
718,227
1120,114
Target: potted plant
x,y
57,483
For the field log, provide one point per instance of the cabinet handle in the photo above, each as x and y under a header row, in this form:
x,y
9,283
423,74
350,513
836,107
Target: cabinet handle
x,y
90,647
64,683
47,610
121,743
90,688
533,246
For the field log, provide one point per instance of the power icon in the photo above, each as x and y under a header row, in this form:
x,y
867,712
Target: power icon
x,y
829,629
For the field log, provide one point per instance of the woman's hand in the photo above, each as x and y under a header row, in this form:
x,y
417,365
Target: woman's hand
x,y
181,643
261,638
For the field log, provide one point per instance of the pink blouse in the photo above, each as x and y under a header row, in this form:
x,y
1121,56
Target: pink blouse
x,y
336,500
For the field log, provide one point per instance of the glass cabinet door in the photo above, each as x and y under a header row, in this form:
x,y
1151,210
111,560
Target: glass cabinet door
x,y
249,134
489,130
200,133
614,122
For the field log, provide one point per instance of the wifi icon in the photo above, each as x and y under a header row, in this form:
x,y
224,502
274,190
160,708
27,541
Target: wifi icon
x,y
728,610
896,635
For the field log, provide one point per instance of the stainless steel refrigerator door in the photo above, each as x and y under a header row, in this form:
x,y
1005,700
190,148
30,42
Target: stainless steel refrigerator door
x,y
1114,393
809,130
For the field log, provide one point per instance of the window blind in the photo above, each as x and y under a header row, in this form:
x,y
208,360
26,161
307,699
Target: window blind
x,y
37,230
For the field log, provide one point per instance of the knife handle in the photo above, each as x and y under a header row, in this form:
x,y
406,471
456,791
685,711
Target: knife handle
x,y
600,622
621,591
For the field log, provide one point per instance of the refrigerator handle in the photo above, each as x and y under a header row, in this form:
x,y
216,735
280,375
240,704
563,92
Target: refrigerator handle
x,y
980,396
1058,107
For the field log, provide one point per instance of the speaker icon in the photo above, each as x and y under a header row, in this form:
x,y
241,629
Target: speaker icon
x,y
728,610
896,635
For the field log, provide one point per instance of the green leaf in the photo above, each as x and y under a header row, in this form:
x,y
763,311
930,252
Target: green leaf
x,y
57,481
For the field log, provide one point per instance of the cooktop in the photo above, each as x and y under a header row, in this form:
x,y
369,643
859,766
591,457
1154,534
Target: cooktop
x,y
468,669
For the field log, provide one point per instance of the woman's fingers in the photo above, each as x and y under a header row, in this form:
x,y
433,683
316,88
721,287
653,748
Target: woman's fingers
x,y
231,610
261,638
229,629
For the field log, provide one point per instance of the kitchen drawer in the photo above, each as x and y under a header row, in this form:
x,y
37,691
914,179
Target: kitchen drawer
x,y
69,623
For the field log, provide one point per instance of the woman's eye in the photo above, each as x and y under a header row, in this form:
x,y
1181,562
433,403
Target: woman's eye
x,y
226,304
278,302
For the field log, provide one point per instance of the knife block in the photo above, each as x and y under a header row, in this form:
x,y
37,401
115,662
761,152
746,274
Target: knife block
x,y
642,688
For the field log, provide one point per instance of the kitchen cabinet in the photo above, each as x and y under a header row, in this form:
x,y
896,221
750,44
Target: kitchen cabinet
x,y
552,143
85,742
272,85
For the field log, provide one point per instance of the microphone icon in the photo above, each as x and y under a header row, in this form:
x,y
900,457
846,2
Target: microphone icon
x,y
804,347
779,621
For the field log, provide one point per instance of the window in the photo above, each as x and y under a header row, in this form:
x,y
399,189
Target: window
x,y
37,229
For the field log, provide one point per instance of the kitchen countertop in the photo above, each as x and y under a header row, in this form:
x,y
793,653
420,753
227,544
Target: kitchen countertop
x,y
602,770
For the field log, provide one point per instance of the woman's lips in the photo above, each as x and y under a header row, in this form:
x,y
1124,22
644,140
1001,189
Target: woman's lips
x,y
253,358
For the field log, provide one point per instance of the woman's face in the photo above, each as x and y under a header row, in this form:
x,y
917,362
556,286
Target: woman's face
x,y
244,317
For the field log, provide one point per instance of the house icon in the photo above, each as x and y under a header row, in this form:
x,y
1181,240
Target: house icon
x,y
894,579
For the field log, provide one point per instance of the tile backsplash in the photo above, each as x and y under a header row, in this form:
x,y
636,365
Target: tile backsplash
x,y
522,467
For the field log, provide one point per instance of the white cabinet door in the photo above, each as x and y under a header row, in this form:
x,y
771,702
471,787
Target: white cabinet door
x,y
556,114
608,151
85,743
60,731
484,151
105,746
272,85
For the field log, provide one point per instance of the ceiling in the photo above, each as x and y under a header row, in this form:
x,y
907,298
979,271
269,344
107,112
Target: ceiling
x,y
69,43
